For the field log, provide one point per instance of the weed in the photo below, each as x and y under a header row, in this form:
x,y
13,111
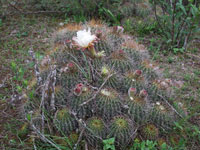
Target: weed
x,y
1,22
109,144
177,22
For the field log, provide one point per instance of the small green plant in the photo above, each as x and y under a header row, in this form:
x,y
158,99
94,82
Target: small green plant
x,y
19,73
109,144
149,145
147,27
178,50
1,22
111,16
177,22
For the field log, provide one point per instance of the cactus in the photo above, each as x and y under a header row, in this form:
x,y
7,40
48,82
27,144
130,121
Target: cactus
x,y
150,131
64,122
108,104
95,128
122,129
99,80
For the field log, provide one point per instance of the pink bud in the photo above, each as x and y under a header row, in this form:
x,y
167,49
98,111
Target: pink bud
x,y
79,85
138,72
143,93
132,92
68,41
132,89
121,51
70,65
77,90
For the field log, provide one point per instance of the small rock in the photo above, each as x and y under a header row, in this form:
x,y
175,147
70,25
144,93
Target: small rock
x,y
61,24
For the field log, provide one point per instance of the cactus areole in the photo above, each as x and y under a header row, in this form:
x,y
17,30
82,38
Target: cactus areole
x,y
100,91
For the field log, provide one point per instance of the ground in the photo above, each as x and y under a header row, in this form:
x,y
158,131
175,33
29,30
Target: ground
x,y
19,34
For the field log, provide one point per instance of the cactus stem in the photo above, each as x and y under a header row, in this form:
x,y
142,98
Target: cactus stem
x,y
94,54
92,51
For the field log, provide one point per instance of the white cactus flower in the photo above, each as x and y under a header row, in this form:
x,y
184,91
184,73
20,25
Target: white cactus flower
x,y
84,38
157,103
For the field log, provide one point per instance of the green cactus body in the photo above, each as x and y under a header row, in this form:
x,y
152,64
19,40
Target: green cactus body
x,y
75,101
108,103
131,80
113,80
95,131
162,116
64,122
120,61
121,128
137,109
150,132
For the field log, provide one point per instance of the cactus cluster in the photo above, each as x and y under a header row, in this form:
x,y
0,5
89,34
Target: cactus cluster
x,y
98,83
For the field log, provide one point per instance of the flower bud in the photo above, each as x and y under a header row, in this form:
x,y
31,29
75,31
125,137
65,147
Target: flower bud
x,y
78,89
138,73
104,71
70,65
105,92
132,92
143,93
101,54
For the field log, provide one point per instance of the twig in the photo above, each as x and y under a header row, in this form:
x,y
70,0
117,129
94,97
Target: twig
x,y
35,148
156,16
52,103
43,138
79,139
94,96
193,55
83,124
173,5
86,146
14,7
3,82
36,68
186,40
171,106
131,137
39,12
44,95
85,82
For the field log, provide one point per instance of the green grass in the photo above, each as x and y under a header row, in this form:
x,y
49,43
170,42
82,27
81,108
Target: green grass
x,y
18,35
